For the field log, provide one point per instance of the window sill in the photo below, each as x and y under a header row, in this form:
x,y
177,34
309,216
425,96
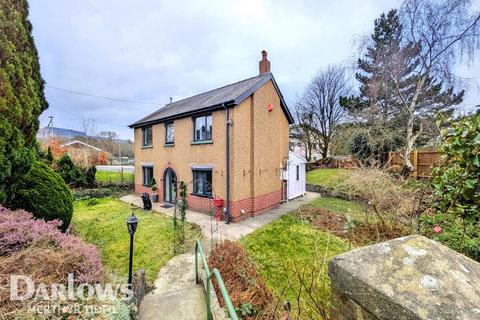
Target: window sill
x,y
202,142
168,145
202,195
147,147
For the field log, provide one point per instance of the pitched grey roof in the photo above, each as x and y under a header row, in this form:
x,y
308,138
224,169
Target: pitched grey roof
x,y
232,94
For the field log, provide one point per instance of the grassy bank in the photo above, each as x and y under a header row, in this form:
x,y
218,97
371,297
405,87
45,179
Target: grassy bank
x,y
340,206
328,178
102,222
288,252
109,177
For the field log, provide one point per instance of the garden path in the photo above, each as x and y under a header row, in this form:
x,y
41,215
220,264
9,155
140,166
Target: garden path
x,y
232,231
176,296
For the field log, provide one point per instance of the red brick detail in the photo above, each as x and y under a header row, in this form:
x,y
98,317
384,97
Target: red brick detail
x,y
200,204
251,207
139,189
255,206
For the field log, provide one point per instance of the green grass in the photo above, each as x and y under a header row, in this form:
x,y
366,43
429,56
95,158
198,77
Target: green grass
x,y
287,244
103,224
336,205
108,177
328,178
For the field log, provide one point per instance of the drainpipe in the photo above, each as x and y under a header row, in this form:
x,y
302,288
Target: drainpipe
x,y
286,162
227,160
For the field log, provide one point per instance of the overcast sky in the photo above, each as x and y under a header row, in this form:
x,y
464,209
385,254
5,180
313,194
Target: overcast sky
x,y
151,50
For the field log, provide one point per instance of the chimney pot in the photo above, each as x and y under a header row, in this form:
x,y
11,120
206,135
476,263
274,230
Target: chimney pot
x,y
264,64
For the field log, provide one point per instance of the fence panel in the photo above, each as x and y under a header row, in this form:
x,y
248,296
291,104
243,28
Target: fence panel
x,y
423,161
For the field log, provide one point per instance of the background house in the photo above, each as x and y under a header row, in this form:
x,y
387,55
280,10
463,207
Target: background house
x,y
301,145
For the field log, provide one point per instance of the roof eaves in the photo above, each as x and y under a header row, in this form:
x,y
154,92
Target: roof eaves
x,y
183,115
291,153
258,85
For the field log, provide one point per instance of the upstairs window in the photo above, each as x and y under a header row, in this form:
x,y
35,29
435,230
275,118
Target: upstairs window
x,y
169,133
147,137
202,128
147,172
202,182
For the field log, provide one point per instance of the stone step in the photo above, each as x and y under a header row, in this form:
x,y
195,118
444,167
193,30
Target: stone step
x,y
177,274
187,304
176,295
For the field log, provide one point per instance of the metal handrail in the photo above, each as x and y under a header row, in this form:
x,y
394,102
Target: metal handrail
x,y
209,274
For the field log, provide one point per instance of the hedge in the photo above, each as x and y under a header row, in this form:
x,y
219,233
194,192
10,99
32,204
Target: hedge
x,y
44,193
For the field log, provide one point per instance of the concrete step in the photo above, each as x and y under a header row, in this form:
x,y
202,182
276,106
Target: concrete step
x,y
177,274
176,295
187,304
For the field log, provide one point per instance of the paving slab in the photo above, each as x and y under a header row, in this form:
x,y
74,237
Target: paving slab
x,y
176,296
188,304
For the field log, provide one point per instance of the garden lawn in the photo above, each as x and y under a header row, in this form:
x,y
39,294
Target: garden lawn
x,y
110,177
328,177
286,245
340,206
102,222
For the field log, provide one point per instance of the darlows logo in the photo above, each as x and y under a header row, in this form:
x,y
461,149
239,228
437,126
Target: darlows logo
x,y
23,288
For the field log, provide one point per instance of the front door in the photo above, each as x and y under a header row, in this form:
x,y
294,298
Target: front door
x,y
170,185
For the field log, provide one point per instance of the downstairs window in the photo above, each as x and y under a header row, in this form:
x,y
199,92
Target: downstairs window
x,y
202,182
147,172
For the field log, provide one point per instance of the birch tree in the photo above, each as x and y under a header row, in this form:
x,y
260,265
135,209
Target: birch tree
x,y
442,32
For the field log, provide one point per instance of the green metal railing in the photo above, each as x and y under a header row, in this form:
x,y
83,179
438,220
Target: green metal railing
x,y
208,276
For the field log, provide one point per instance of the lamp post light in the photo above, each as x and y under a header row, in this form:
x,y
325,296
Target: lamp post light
x,y
132,222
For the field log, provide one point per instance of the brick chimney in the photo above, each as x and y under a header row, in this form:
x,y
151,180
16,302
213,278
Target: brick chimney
x,y
264,64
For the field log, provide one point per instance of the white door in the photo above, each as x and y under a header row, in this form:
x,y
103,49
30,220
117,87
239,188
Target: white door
x,y
296,180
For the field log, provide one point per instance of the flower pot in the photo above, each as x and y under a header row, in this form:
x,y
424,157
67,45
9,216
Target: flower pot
x,y
154,197
217,202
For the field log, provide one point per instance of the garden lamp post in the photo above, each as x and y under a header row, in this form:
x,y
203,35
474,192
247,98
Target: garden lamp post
x,y
132,222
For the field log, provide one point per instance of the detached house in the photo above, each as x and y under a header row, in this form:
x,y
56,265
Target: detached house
x,y
231,142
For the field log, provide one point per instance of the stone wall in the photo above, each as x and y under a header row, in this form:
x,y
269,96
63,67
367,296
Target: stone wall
x,y
333,193
407,278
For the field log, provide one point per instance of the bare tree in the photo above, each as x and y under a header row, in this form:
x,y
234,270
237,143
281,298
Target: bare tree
x,y
443,31
305,133
319,107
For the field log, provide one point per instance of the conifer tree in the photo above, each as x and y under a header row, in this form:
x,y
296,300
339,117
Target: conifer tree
x,y
21,95
388,76
375,84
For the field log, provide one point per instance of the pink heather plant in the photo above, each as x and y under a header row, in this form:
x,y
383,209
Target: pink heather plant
x,y
19,230
437,229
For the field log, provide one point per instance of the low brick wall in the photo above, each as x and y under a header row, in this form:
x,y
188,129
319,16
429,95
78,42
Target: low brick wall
x,y
250,206
139,189
407,278
255,206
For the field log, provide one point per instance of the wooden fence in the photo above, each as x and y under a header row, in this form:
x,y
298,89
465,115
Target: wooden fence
x,y
423,161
